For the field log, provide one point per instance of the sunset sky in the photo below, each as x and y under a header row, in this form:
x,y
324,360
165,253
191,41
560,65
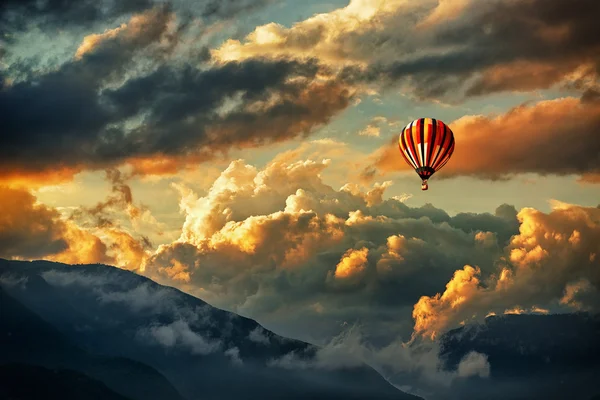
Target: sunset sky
x,y
246,152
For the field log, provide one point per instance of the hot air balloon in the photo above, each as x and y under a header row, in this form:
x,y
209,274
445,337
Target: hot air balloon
x,y
426,145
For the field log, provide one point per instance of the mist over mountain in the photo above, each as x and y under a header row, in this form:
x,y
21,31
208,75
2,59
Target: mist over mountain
x,y
144,340
111,333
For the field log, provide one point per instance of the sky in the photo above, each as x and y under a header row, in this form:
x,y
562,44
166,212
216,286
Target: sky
x,y
246,152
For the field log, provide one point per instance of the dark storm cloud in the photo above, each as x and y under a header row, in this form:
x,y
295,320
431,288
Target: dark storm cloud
x,y
182,106
66,117
229,8
61,119
51,114
18,15
514,45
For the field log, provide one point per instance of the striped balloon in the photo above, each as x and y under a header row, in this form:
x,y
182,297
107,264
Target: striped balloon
x,y
426,145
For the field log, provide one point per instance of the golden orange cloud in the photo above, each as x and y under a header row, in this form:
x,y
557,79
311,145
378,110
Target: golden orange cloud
x,y
318,36
550,137
552,261
352,264
138,26
29,230
129,253
19,178
83,247
161,165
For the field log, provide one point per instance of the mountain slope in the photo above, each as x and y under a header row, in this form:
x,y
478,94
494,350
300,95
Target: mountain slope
x,y
27,338
30,382
531,356
205,352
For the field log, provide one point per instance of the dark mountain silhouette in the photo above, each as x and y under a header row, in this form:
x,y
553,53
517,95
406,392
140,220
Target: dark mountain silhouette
x,y
26,338
532,357
206,353
31,382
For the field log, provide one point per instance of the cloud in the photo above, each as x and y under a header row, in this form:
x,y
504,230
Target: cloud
x,y
13,280
456,48
23,178
141,297
416,365
352,264
61,278
139,32
179,334
105,218
234,354
559,139
136,105
188,113
373,128
257,335
63,103
546,266
361,34
273,242
474,364
29,230
15,14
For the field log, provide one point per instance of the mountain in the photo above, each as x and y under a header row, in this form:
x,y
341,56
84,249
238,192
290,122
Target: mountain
x,y
31,382
545,357
27,338
106,323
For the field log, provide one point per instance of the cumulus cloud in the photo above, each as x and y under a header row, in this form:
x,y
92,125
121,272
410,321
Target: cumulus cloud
x,y
277,241
550,263
352,264
30,230
559,139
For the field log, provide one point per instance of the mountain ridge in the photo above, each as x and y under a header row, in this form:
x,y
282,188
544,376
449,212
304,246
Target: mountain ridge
x,y
197,347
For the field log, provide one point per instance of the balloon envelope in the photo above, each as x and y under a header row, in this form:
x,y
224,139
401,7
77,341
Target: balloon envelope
x,y
426,144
